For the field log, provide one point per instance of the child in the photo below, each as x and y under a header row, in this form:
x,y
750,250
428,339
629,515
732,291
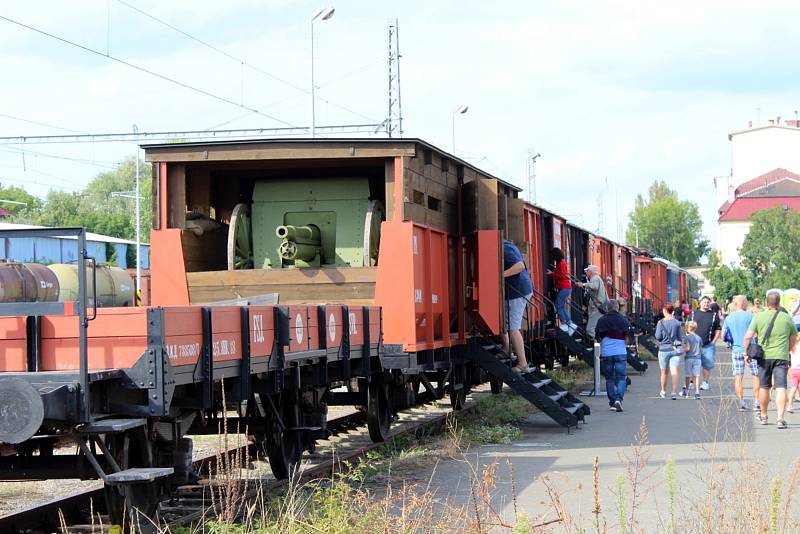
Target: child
x,y
694,349
794,377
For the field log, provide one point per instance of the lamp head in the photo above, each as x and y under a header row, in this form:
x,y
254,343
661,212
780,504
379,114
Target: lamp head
x,y
460,110
323,13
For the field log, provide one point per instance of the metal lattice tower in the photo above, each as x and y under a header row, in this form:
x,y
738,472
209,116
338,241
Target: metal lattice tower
x,y
394,121
531,175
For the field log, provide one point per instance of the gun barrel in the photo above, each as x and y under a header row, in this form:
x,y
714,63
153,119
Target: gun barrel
x,y
308,235
299,242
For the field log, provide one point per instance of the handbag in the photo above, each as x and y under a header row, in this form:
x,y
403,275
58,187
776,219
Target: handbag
x,y
756,351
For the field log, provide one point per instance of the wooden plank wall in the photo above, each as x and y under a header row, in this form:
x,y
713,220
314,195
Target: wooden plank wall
x,y
293,286
430,189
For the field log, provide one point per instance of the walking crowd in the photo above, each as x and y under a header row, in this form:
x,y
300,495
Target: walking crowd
x,y
764,342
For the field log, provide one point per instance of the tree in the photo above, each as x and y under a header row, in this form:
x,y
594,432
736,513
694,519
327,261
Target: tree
x,y
671,227
96,208
18,194
770,257
728,282
771,250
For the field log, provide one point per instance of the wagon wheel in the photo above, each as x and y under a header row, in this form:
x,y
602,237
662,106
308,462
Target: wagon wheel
x,y
376,214
379,408
282,445
240,243
458,386
132,505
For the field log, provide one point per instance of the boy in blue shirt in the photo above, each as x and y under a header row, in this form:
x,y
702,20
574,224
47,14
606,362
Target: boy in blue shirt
x,y
737,324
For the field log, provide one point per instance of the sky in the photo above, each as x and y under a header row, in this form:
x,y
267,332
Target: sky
x,y
612,94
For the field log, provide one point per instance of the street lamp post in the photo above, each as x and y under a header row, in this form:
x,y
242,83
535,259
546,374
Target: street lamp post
x,y
138,225
460,110
323,13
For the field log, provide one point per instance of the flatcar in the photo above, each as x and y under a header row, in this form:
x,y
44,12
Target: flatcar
x,y
288,276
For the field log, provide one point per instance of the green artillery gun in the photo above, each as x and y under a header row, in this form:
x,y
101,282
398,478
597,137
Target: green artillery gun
x,y
331,222
301,244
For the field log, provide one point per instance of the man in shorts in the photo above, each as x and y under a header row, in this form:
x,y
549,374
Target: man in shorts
x,y
774,366
519,289
737,324
709,330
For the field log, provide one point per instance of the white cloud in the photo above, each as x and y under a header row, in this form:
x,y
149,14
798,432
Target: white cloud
x,y
630,92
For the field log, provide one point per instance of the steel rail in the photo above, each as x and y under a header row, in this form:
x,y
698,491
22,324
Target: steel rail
x,y
47,515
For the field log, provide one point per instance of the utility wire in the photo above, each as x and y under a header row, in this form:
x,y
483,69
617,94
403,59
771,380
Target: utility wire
x,y
143,69
31,182
12,117
93,163
240,60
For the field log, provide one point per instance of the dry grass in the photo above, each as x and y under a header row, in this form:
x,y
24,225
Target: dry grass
x,y
383,493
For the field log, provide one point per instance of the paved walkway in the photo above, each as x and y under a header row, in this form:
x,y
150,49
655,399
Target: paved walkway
x,y
708,440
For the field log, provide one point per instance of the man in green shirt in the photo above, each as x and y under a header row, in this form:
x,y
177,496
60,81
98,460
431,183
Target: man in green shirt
x,y
777,346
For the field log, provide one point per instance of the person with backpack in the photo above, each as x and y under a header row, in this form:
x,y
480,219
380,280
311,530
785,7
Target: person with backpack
x,y
776,338
709,329
670,350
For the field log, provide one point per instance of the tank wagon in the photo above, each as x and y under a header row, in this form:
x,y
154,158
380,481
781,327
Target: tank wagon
x,y
58,282
286,277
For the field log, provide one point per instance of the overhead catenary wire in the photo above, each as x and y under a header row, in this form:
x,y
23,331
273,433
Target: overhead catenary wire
x,y
127,137
145,70
241,61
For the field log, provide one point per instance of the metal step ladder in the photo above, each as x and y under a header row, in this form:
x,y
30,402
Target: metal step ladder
x,y
648,342
576,347
637,363
536,387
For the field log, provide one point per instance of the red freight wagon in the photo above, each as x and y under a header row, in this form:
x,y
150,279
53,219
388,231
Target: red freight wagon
x,y
603,257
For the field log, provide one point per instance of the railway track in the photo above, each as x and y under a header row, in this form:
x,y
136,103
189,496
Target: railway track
x,y
350,440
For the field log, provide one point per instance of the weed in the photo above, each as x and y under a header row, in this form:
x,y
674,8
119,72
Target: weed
x,y
493,434
621,510
671,476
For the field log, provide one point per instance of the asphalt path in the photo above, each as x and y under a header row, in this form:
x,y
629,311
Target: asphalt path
x,y
717,451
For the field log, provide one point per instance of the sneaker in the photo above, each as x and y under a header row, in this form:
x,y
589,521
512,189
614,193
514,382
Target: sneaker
x,y
762,419
674,397
704,385
663,394
790,409
612,408
743,407
683,393
564,327
697,396
618,406
756,407
782,424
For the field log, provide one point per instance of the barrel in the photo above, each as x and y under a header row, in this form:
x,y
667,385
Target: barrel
x,y
27,282
114,285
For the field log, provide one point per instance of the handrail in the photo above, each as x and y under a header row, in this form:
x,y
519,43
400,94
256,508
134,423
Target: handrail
x,y
653,295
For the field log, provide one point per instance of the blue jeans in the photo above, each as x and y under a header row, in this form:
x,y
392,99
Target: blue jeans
x,y
615,370
708,356
561,301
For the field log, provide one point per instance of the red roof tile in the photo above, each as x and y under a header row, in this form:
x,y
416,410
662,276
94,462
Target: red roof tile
x,y
765,179
741,208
